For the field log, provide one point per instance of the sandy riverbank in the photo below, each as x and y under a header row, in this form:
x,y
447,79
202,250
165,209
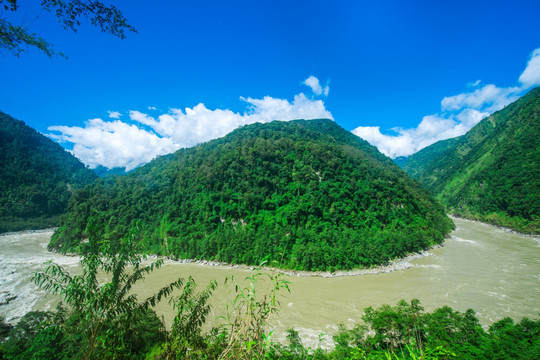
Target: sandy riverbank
x,y
394,265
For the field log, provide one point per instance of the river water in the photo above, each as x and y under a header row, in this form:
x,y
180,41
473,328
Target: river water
x,y
493,271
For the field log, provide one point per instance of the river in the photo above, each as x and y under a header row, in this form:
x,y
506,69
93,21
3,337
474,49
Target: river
x,y
493,271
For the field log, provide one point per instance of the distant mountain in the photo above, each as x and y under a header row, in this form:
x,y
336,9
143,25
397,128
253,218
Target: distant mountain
x,y
102,171
401,161
416,164
38,176
492,173
308,194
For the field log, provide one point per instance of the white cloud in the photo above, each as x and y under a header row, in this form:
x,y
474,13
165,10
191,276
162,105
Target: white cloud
x,y
474,83
431,129
191,126
315,86
489,98
151,108
119,144
114,114
531,75
113,143
459,113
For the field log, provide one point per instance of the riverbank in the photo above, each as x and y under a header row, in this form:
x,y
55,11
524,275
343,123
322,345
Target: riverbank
x,y
513,225
28,231
495,226
394,265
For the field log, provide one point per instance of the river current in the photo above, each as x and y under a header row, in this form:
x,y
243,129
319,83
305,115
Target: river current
x,y
493,271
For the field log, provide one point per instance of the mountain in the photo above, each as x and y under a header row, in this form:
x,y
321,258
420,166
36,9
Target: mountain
x,y
102,171
38,176
492,173
308,194
401,161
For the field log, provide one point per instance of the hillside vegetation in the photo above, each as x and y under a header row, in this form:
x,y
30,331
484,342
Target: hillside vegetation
x,y
308,194
492,173
38,176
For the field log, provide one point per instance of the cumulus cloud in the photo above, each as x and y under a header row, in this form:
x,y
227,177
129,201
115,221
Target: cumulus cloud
x,y
191,126
489,97
459,113
531,75
114,114
113,143
431,129
315,86
122,144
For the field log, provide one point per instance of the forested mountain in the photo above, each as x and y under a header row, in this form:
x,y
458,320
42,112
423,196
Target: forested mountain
x,y
38,176
306,193
492,173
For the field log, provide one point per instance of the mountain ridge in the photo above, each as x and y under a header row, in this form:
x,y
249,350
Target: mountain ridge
x,y
492,172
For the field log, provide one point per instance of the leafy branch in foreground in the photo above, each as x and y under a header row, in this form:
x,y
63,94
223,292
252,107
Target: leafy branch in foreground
x,y
106,314
69,13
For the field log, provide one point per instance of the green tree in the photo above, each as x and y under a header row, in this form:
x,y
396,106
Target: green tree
x,y
16,39
107,320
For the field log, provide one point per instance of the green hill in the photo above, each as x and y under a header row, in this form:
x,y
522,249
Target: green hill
x,y
492,173
306,193
37,177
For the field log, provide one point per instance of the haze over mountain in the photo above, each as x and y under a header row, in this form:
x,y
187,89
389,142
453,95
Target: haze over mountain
x,y
38,176
492,173
306,193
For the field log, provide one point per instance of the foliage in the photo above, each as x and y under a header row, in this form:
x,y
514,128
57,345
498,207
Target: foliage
x,y
24,334
16,39
38,177
491,173
519,341
404,331
306,193
107,320
185,339
246,331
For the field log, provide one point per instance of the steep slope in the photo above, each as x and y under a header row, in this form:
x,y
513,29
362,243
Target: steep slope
x,y
492,173
415,166
37,175
306,193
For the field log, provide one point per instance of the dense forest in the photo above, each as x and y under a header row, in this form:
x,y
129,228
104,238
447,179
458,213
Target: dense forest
x,y
492,173
38,177
306,193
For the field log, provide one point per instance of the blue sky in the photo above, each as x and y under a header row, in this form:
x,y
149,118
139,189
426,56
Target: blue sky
x,y
401,74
